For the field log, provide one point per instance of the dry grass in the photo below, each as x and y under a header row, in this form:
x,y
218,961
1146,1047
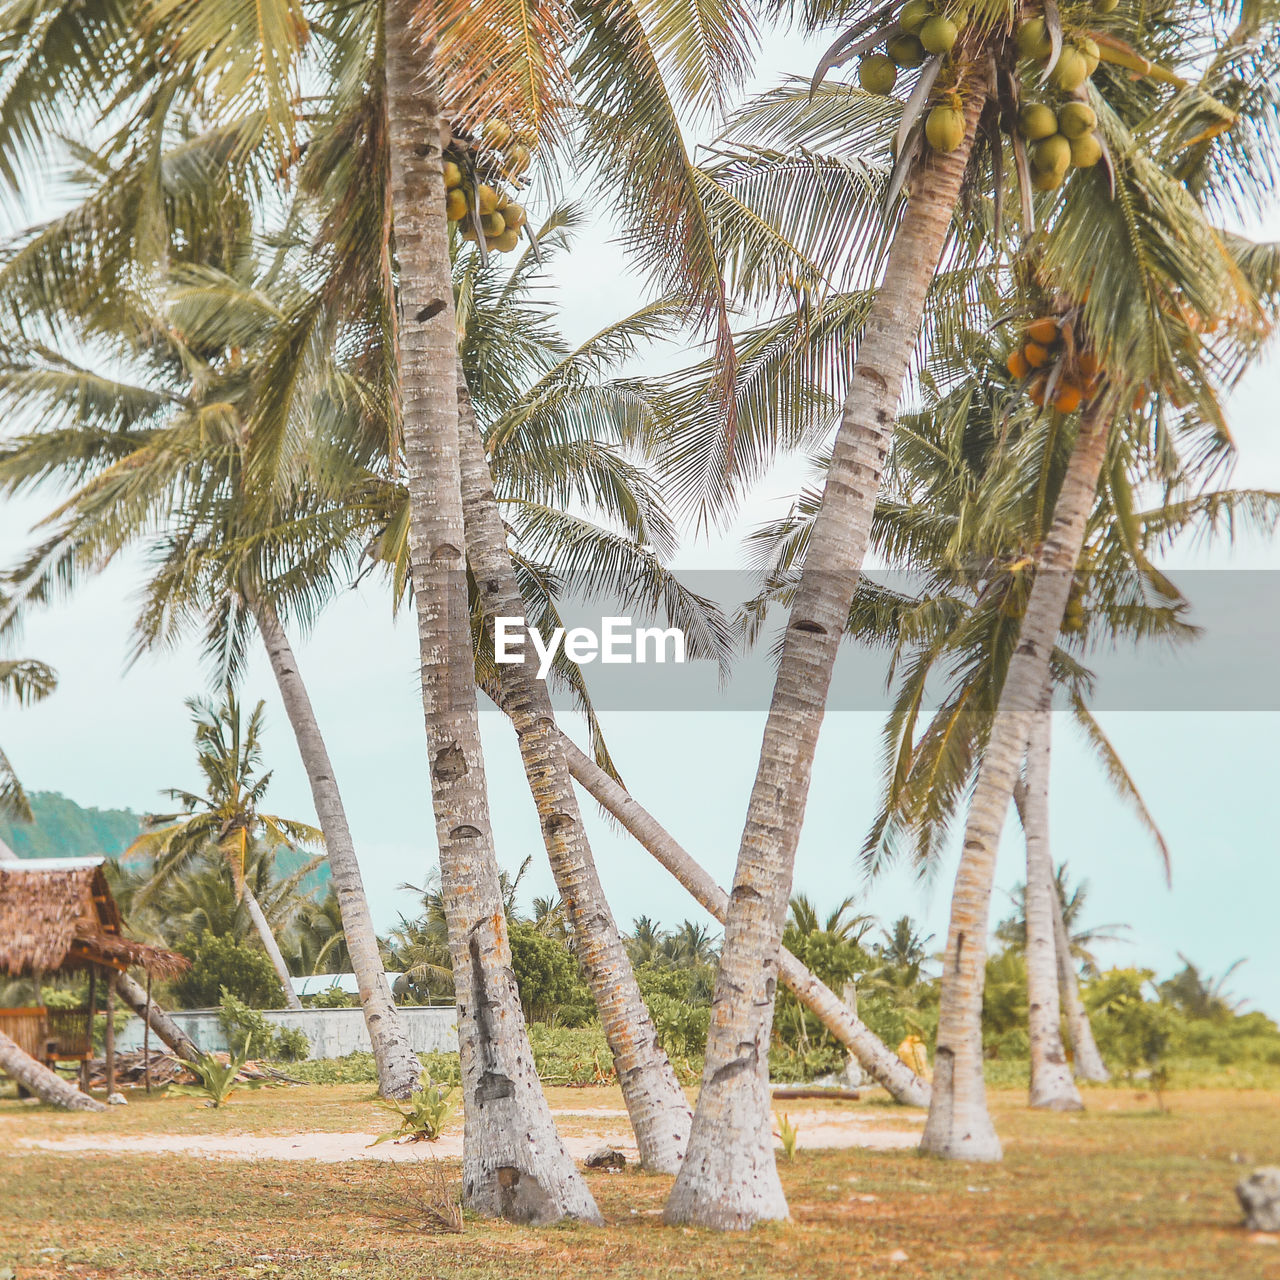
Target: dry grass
x,y
1119,1193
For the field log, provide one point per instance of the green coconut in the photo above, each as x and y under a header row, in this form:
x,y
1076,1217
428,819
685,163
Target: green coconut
x,y
944,127
497,133
486,198
518,159
1105,6
905,50
939,34
1048,180
1086,151
915,13
1076,119
452,175
1036,121
877,73
455,204
1070,71
515,216
1033,39
494,224
1088,49
1051,154
507,241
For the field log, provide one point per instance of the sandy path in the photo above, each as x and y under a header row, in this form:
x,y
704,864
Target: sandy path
x,y
816,1129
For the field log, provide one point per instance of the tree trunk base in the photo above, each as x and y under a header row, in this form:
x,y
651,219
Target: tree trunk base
x,y
959,1127
1053,1089
1093,1074
735,1184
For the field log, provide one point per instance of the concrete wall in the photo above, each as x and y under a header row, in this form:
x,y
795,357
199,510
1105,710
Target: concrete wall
x,y
333,1033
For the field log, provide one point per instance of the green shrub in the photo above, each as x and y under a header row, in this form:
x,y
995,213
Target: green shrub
x,y
682,1028
219,961
552,988
245,1026
331,998
291,1045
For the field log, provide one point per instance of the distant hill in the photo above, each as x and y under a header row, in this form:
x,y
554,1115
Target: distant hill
x,y
63,829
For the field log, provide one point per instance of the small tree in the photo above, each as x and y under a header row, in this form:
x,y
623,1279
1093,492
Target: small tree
x,y
221,963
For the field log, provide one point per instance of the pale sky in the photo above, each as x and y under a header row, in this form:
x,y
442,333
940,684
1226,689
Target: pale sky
x,y
113,739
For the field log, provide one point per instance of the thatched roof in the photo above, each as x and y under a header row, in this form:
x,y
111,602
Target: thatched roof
x,y
58,914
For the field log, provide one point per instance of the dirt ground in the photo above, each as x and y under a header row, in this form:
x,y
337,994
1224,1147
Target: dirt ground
x,y
281,1185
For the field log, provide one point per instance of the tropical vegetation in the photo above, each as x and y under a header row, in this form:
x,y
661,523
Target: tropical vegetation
x,y
286,330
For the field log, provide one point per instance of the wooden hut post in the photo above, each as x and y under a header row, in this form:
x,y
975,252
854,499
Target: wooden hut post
x,y
146,1039
91,1015
109,1038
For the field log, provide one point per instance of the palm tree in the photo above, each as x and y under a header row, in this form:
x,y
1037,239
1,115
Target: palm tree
x,y
24,680
226,820
1201,995
729,1179
317,938
227,557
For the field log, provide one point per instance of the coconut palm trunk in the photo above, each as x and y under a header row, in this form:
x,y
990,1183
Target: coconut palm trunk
x,y
36,1078
1084,1049
269,944
155,1017
514,1164
837,1015
656,1105
729,1179
959,1126
1052,1086
398,1067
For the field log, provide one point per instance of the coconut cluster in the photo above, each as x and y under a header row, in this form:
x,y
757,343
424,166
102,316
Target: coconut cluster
x,y
1059,140
923,28
485,207
1056,372
1062,138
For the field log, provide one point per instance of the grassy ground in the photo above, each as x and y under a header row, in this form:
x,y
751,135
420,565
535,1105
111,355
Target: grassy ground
x,y
1122,1192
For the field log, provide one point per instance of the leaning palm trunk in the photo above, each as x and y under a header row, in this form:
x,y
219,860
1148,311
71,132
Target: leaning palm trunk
x,y
398,1067
270,946
36,1078
729,1179
156,1018
885,1067
514,1164
656,1104
1084,1049
1051,1084
959,1126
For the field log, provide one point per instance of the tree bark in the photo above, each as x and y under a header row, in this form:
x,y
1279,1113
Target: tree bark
x,y
164,1026
729,1179
959,1126
1052,1087
109,1039
656,1105
514,1164
47,1085
271,947
1084,1049
834,1013
399,1070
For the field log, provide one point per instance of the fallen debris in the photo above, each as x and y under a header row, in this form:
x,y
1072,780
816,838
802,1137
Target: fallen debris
x,y
166,1069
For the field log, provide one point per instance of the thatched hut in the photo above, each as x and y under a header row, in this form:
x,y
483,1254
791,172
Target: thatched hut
x,y
57,915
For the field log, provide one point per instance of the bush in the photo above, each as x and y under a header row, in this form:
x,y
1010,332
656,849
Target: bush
x,y
220,962
551,985
248,1031
331,998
